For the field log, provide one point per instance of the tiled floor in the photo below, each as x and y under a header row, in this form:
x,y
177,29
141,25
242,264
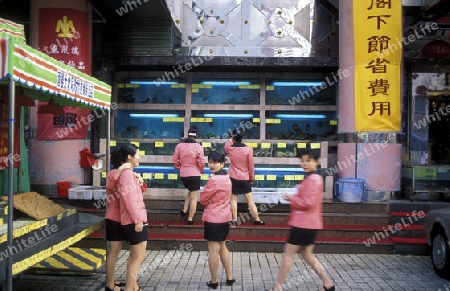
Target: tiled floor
x,y
188,270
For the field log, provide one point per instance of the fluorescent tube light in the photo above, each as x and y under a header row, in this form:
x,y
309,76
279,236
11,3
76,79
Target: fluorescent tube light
x,y
143,115
152,82
225,83
217,115
298,84
301,116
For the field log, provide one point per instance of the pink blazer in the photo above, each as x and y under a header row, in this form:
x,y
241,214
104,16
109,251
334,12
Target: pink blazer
x,y
306,206
189,159
242,166
132,206
112,197
218,189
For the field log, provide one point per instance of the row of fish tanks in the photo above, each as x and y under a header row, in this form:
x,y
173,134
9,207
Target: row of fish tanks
x,y
266,176
217,124
260,149
304,91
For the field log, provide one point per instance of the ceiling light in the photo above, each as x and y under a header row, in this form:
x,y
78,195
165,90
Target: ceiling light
x,y
225,83
229,115
160,115
298,84
301,116
156,82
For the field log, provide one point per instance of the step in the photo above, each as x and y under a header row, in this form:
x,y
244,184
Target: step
x,y
41,229
155,204
408,206
71,261
337,231
252,244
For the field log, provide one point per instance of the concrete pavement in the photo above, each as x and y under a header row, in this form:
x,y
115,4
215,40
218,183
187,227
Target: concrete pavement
x,y
186,269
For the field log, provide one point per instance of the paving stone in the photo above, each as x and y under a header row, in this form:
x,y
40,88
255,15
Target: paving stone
x,y
165,270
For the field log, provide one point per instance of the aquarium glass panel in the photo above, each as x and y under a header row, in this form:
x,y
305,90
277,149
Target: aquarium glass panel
x,y
301,125
149,124
321,91
225,91
151,91
220,124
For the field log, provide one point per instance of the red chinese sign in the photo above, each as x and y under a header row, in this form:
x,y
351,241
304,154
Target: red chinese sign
x,y
73,124
64,34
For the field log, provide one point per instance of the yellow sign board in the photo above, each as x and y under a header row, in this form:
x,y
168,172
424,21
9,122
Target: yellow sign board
x,y
378,62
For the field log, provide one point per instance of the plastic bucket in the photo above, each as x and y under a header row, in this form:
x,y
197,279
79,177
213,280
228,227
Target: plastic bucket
x,y
350,190
62,188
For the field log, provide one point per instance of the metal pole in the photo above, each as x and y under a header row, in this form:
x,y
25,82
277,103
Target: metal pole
x,y
108,140
11,158
108,158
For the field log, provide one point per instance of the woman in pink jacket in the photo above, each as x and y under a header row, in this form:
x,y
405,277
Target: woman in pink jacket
x,y
190,160
305,221
133,215
115,234
215,197
242,175
113,229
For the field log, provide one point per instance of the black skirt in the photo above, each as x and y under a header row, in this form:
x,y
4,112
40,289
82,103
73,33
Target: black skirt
x,y
302,236
216,231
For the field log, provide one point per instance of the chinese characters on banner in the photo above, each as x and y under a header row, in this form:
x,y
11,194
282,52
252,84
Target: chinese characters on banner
x,y
72,125
378,55
64,34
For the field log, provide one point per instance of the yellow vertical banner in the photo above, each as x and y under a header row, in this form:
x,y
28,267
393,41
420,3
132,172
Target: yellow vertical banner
x,y
378,55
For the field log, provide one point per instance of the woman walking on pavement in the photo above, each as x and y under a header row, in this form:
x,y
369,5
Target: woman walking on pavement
x,y
133,215
242,174
113,229
215,197
305,221
190,160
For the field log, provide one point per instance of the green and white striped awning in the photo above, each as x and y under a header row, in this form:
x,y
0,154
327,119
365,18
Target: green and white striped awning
x,y
47,77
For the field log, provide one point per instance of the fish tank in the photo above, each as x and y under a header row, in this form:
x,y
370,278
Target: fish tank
x,y
266,176
301,125
163,124
219,124
225,91
151,91
318,91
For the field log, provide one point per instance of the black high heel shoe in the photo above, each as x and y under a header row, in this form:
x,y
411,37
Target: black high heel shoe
x,y
231,282
212,285
332,288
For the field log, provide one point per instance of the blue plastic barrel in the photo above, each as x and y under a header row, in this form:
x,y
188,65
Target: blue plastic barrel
x,y
350,190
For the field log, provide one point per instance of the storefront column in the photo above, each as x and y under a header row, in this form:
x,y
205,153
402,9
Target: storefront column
x,y
52,161
372,156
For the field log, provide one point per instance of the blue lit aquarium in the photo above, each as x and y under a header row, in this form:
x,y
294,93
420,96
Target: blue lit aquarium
x,y
301,125
319,91
151,91
220,124
225,91
149,124
163,176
